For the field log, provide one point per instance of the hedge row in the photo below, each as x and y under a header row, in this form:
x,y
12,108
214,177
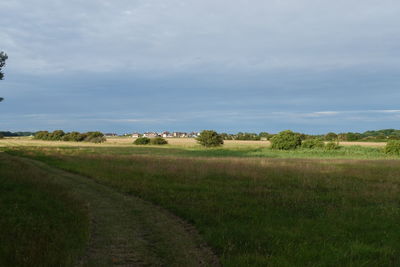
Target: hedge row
x,y
59,135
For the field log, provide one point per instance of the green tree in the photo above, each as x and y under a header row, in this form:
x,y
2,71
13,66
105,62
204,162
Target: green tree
x,y
331,136
210,138
286,140
3,58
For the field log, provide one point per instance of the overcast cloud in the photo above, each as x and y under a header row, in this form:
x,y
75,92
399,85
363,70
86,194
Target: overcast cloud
x,y
126,65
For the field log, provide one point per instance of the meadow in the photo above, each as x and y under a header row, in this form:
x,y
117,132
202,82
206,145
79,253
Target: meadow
x,y
252,205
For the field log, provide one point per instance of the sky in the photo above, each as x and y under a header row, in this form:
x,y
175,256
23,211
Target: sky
x,y
122,66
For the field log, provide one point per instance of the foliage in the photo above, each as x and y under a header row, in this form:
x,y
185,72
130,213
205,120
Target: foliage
x,y
94,137
158,141
332,146
247,136
312,143
393,147
142,141
210,138
1,136
58,135
41,135
286,140
74,137
331,136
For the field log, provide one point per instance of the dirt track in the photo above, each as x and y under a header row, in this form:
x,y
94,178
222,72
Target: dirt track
x,y
127,231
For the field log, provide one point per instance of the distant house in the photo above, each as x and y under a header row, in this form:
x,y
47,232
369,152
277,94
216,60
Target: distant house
x,y
150,134
166,134
136,135
193,134
179,134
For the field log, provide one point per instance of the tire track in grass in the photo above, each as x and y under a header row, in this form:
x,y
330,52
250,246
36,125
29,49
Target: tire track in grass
x,y
128,231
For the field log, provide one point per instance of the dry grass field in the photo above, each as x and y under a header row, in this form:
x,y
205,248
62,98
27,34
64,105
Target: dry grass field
x,y
176,142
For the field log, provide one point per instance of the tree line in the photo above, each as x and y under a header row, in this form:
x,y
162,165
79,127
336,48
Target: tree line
x,y
379,135
60,135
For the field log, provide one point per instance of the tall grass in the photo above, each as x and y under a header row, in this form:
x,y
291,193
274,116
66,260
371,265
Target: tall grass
x,y
40,223
263,211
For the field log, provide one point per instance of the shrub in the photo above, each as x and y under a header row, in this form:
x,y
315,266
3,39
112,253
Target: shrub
x,y
142,141
393,147
74,136
1,136
312,143
56,135
286,140
332,146
209,138
41,135
158,141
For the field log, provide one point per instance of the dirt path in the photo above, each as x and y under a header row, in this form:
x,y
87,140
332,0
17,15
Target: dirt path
x,y
127,231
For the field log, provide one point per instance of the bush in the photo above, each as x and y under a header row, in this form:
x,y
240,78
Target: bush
x,y
142,141
332,146
41,135
312,144
286,140
74,137
209,138
393,147
158,141
56,135
1,136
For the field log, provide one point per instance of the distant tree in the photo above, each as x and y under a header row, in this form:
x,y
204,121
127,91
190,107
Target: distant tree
x,y
57,135
3,58
286,140
210,138
331,136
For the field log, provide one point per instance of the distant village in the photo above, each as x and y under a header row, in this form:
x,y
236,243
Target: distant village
x,y
165,134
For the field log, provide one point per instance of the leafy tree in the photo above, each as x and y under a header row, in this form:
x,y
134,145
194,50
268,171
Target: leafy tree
x,y
41,135
210,138
3,58
57,135
286,140
331,136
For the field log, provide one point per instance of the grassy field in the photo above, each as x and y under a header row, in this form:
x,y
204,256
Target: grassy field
x,y
255,206
41,223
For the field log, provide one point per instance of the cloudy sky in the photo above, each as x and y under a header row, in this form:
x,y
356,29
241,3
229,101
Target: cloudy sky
x,y
262,65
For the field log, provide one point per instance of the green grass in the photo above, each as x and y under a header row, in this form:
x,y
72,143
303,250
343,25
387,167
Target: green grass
x,y
257,211
40,223
345,152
